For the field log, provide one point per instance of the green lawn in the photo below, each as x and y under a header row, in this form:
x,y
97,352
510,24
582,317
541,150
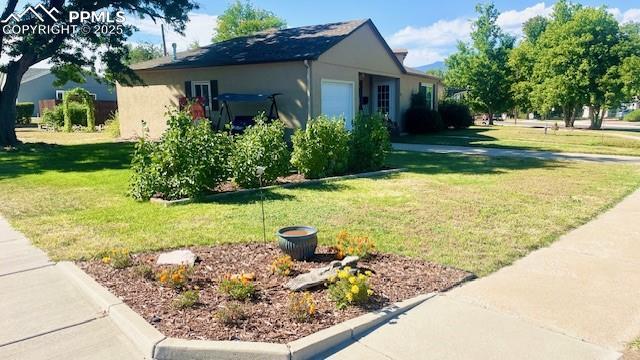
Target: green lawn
x,y
509,137
474,213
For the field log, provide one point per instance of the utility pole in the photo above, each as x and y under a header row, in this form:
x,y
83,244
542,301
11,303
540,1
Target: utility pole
x,y
164,43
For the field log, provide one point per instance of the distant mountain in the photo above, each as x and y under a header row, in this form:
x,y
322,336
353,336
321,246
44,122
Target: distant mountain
x,y
438,65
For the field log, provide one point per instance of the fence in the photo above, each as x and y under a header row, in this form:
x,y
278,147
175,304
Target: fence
x,y
104,109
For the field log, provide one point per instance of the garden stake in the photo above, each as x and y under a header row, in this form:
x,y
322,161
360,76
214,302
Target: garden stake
x,y
259,172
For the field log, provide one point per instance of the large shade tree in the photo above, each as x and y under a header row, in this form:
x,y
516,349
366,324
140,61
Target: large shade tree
x,y
480,67
243,18
74,54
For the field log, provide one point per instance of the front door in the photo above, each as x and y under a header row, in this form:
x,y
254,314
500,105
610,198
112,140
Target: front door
x,y
384,97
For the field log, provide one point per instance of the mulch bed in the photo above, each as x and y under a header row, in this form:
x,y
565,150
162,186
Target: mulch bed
x,y
395,278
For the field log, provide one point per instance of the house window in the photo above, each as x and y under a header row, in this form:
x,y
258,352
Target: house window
x,y
201,89
60,95
383,99
428,91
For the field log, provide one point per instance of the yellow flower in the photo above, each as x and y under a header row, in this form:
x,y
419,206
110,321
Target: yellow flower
x,y
355,289
347,269
352,279
343,274
332,279
349,297
369,292
361,277
106,259
368,273
163,277
312,309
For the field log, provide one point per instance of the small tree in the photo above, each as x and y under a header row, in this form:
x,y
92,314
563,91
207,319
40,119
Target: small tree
x,y
86,99
142,52
242,18
481,66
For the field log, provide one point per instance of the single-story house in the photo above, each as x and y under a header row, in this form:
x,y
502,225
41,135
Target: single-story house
x,y
334,69
37,84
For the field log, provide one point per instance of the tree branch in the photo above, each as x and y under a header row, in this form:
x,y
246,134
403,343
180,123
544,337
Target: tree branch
x,y
10,8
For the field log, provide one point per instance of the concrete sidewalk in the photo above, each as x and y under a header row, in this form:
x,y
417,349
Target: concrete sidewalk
x,y
577,299
44,315
497,152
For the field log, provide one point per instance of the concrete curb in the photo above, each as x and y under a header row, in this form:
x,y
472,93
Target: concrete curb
x,y
167,203
179,349
141,334
150,342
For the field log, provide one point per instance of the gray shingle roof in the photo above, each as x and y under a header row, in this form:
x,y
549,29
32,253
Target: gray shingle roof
x,y
301,43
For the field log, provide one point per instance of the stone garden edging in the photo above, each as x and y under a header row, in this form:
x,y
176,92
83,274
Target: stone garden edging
x,y
211,197
153,344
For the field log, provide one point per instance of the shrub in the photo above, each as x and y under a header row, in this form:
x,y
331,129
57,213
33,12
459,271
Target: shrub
x,y
144,271
322,149
347,289
302,308
346,245
189,160
419,119
232,313
238,286
633,116
54,117
186,300
282,265
118,258
261,145
369,142
455,114
112,125
175,276
24,110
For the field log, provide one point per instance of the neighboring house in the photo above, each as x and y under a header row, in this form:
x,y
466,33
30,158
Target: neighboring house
x,y
37,84
334,69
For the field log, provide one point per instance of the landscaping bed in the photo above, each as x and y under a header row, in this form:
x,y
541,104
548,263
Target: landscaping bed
x,y
267,316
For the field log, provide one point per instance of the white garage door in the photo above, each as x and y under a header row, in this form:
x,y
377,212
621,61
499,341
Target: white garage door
x,y
337,100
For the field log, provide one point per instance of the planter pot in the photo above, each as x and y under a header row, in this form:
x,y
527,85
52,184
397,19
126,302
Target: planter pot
x,y
299,242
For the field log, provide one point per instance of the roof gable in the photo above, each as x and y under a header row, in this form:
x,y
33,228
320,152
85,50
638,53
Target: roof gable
x,y
294,44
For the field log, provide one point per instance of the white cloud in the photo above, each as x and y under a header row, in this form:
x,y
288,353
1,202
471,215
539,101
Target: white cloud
x,y
511,21
200,28
436,41
631,15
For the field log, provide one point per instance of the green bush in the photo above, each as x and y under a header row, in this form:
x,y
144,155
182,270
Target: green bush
x,y
261,145
112,125
419,119
24,110
455,114
55,117
188,160
322,149
369,142
633,116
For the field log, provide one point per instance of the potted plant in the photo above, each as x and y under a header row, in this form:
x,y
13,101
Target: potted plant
x,y
299,242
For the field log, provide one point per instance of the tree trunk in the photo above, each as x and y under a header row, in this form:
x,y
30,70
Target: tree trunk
x,y
8,97
596,118
490,120
574,113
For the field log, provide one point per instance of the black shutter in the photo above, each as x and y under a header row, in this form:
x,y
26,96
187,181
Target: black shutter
x,y
215,105
187,89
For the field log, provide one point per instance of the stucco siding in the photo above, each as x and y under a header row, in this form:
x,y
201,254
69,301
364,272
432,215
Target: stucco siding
x,y
164,87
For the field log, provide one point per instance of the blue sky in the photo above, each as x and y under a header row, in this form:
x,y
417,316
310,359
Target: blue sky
x,y
428,29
